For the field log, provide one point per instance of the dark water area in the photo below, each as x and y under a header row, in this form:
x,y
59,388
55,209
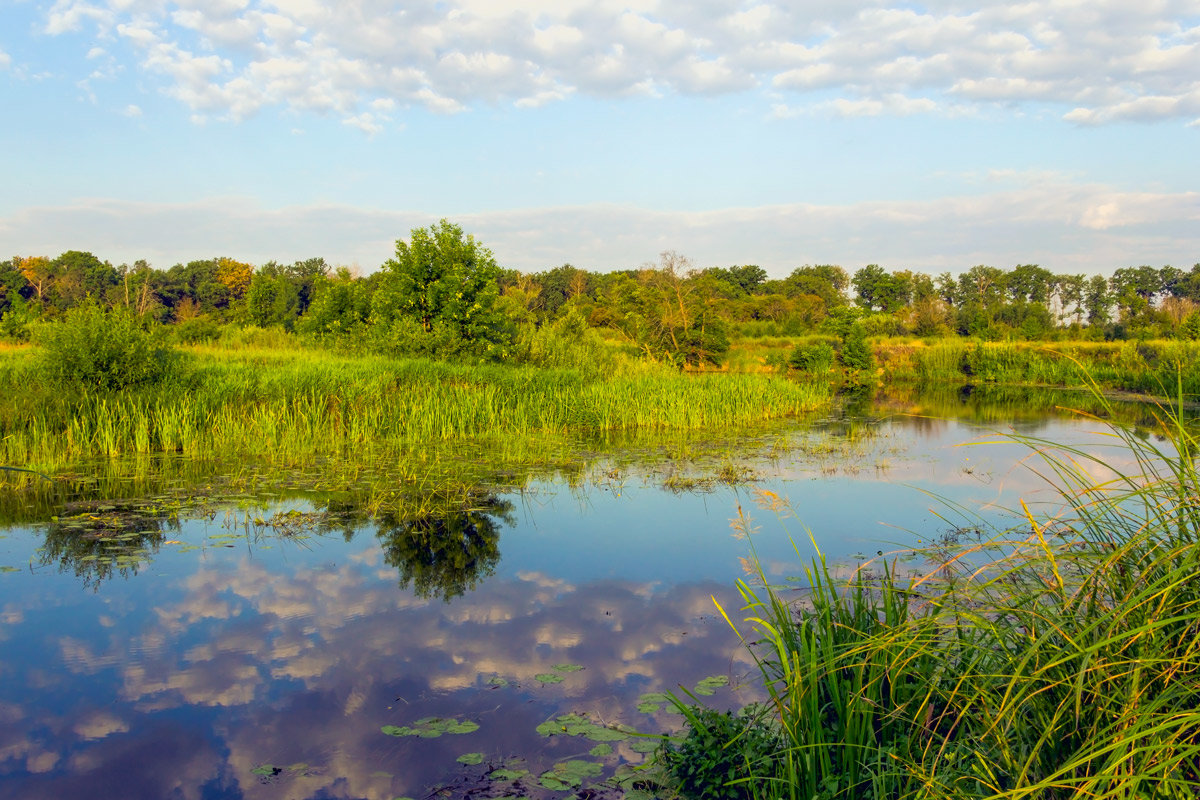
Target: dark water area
x,y
250,650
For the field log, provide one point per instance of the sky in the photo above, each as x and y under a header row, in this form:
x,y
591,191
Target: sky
x,y
929,136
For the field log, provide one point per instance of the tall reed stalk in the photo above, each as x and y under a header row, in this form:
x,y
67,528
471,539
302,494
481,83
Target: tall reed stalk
x,y
1057,659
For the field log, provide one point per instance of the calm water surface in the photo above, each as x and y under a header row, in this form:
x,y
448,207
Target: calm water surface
x,y
232,664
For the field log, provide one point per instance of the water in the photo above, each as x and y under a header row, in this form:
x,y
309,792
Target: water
x,y
229,664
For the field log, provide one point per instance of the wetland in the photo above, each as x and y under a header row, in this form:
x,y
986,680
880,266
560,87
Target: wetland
x,y
489,619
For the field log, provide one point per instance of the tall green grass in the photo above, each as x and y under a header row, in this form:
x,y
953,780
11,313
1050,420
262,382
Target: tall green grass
x,y
1057,659
295,405
1146,367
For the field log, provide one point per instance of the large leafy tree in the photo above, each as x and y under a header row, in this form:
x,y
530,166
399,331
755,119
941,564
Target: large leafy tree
x,y
438,295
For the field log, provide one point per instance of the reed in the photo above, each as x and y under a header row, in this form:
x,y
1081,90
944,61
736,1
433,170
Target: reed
x,y
1145,367
296,405
1058,658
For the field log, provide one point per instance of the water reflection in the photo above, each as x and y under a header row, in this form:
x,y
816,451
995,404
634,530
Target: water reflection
x,y
96,542
259,655
246,662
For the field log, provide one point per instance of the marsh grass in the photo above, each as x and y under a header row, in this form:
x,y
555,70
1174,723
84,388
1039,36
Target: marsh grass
x,y
1152,367
1057,659
298,405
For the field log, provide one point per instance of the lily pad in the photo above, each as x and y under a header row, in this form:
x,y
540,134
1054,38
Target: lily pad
x,y
266,771
645,744
431,727
601,750
497,681
569,774
580,725
567,667
651,702
505,774
710,684
470,759
548,677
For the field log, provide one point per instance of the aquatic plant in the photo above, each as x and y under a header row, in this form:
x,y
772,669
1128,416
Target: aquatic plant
x,y
1058,658
297,406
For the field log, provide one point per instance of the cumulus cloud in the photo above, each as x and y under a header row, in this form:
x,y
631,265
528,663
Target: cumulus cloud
x,y
5,60
1096,61
1013,218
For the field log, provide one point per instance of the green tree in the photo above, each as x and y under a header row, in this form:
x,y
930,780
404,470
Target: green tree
x,y
877,290
438,295
272,298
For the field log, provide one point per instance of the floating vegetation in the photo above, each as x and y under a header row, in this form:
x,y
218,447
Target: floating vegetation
x,y
567,667
267,773
432,727
507,774
652,702
548,677
569,775
574,724
601,750
470,759
497,682
709,685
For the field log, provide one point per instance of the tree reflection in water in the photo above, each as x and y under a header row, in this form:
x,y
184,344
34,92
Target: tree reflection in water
x,y
445,552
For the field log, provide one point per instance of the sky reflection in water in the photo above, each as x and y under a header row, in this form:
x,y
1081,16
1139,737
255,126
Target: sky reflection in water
x,y
209,663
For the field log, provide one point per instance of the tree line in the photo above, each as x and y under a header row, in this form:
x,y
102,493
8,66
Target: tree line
x,y
443,294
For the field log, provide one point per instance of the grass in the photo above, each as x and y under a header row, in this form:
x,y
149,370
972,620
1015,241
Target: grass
x,y
1145,367
1057,659
300,405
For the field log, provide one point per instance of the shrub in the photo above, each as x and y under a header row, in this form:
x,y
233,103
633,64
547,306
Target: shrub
x,y
106,350
816,357
720,752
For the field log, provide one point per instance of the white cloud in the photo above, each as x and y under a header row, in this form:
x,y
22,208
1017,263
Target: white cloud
x,y
1098,61
5,60
132,111
1015,218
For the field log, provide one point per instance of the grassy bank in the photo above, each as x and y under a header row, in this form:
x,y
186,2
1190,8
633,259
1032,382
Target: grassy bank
x,y
1146,367
1057,659
298,405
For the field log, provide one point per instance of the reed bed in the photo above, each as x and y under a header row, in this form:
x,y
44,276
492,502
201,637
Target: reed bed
x,y
1146,367
1057,659
302,404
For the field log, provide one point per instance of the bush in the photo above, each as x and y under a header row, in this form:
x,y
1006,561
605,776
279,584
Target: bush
x,y
816,357
106,350
719,754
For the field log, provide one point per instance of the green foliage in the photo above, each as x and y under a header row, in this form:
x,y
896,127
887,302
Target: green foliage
x,y
1056,659
106,350
854,353
438,296
198,330
15,319
721,756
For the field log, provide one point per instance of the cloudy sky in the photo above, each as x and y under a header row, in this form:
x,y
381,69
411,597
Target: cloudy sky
x,y
931,135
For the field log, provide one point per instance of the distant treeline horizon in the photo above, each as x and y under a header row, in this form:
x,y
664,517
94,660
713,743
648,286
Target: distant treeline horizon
x,y
669,308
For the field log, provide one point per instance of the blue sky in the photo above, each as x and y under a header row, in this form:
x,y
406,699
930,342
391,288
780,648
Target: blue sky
x,y
927,136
